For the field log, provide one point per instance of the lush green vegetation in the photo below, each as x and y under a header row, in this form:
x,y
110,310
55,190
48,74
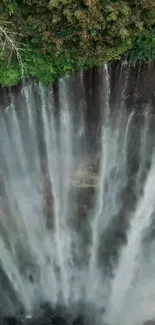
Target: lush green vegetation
x,y
143,47
48,38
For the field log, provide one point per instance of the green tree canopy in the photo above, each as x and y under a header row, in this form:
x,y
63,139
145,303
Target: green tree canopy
x,y
57,36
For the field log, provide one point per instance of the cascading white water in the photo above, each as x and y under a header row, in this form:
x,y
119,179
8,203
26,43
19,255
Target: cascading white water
x,y
131,263
52,252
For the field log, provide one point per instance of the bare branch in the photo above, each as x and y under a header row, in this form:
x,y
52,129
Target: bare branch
x,y
7,39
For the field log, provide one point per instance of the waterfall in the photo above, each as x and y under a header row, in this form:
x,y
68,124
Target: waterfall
x,y
131,262
77,208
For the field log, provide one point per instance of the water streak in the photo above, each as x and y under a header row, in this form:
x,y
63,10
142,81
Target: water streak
x,y
76,217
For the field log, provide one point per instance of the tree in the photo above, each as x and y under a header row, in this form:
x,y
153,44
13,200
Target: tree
x,y
8,43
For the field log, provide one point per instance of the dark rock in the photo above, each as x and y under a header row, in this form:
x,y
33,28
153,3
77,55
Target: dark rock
x,y
11,320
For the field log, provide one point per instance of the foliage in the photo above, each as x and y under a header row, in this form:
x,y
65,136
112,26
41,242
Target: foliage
x,y
59,36
10,74
144,48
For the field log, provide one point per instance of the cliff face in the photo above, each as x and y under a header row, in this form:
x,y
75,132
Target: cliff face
x,y
76,170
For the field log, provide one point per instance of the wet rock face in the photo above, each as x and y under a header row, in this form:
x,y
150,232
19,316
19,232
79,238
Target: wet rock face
x,y
82,163
59,316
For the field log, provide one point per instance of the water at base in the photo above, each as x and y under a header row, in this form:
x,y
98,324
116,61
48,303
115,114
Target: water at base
x,y
77,201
